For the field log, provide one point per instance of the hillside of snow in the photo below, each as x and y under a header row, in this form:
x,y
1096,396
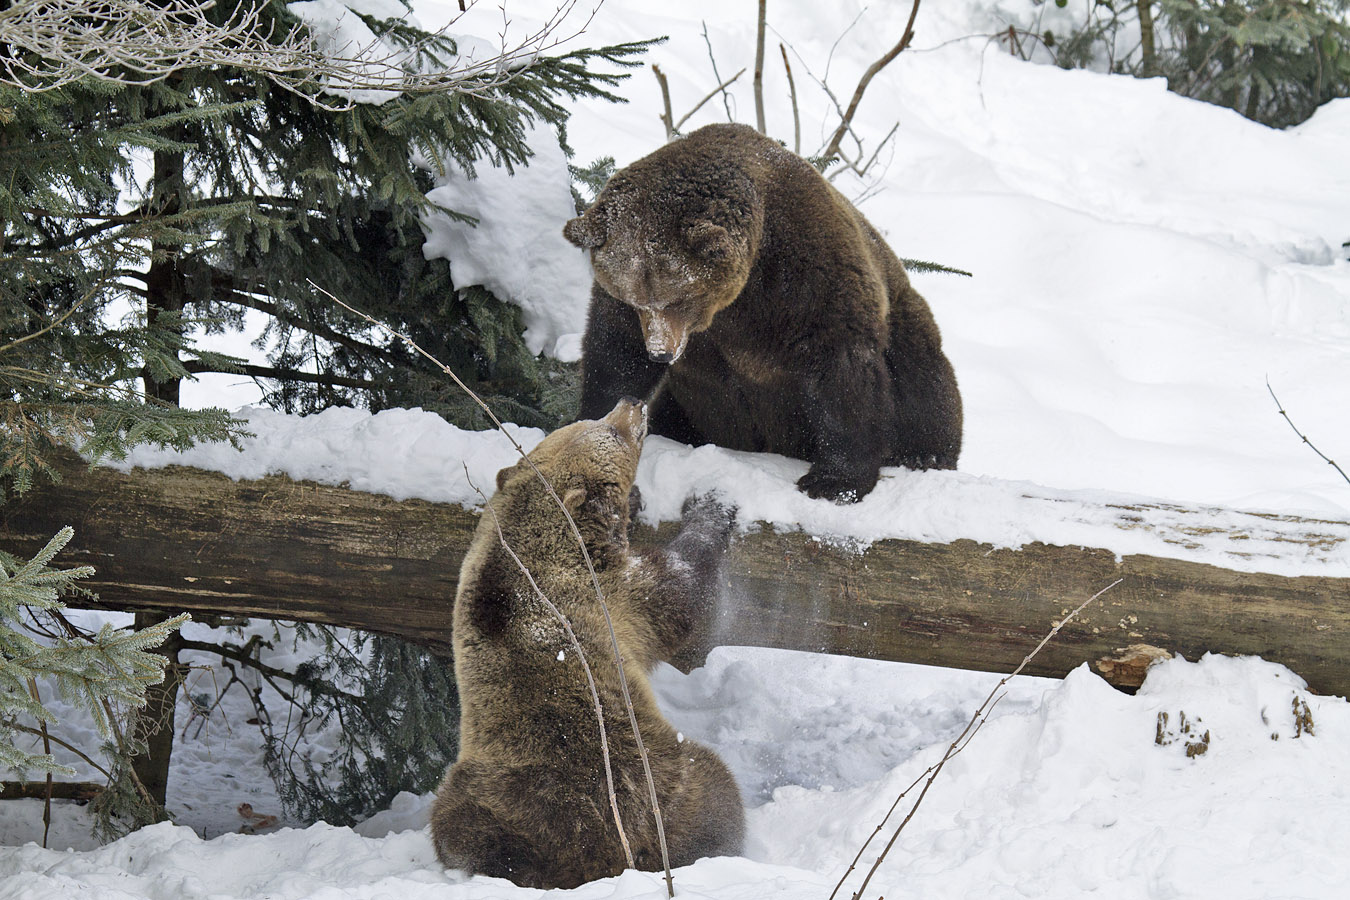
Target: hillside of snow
x,y
1143,266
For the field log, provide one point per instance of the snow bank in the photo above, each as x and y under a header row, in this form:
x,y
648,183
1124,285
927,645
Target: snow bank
x,y
1070,787
516,249
412,453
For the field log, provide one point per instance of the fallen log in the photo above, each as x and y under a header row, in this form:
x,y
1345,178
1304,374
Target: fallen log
x,y
185,539
57,790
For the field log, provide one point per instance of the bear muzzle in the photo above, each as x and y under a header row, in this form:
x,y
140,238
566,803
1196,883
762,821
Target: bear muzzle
x,y
629,417
664,334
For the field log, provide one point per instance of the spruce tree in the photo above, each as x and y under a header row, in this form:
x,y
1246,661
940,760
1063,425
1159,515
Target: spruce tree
x,y
138,212
105,674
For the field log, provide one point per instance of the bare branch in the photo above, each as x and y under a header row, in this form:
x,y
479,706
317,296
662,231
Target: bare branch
x,y
667,118
726,98
792,92
56,42
832,148
957,745
699,105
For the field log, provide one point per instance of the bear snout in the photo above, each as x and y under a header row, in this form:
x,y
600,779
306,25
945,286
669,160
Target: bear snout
x,y
629,416
664,334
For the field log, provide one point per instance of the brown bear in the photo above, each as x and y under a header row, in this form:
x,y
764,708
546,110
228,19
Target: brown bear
x,y
757,309
527,798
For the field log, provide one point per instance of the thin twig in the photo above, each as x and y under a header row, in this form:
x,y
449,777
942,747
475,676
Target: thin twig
x,y
726,98
581,655
60,743
47,749
699,105
976,721
585,553
1303,436
55,322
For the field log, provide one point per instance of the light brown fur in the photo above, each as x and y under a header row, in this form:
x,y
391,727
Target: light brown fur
x,y
526,799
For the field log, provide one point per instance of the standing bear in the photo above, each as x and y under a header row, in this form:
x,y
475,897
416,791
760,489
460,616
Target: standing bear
x,y
527,798
758,310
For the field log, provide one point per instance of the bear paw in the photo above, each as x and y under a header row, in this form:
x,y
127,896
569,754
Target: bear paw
x,y
841,487
710,514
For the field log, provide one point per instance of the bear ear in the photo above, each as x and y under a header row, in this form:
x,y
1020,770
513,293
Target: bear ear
x,y
502,475
708,240
587,230
573,499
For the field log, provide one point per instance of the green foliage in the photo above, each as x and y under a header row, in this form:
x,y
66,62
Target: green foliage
x,y
134,216
588,181
101,675
1274,61
398,711
254,195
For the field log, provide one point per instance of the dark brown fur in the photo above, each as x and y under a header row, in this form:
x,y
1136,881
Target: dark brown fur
x,y
777,315
526,799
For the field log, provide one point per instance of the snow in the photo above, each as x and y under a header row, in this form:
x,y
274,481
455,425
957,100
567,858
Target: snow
x,y
1143,264
1068,787
516,248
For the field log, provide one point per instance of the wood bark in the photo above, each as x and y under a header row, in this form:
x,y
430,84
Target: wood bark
x,y
183,539
60,790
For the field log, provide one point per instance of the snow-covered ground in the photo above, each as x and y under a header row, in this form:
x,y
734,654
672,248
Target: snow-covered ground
x,y
1143,264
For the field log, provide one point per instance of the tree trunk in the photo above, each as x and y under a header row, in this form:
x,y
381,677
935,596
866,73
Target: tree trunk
x,y
155,720
183,539
1148,65
164,284
165,301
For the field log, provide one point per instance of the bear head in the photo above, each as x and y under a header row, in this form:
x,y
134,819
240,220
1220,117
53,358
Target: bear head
x,y
674,242
591,465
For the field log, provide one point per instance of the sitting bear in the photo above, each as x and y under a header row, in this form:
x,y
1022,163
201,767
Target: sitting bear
x,y
757,309
527,798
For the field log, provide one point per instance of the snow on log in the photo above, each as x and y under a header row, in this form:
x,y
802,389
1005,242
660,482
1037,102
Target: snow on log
x,y
180,538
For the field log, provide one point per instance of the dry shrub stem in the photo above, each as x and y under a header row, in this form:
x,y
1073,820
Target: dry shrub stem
x,y
586,555
586,667
144,41
1303,436
667,117
972,727
759,67
792,93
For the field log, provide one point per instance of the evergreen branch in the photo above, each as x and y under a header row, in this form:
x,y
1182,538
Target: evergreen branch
x,y
71,747
280,374
919,265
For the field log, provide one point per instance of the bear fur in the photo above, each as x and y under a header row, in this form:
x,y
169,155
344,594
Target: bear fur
x,y
526,799
757,309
